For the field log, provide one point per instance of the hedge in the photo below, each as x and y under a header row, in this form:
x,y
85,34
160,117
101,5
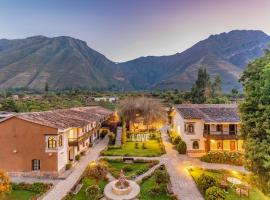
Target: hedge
x,y
232,158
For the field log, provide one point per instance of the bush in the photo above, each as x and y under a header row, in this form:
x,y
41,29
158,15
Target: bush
x,y
232,158
111,138
68,166
97,171
161,176
127,168
35,187
214,193
103,133
92,192
77,157
205,182
154,191
144,146
5,184
181,147
176,139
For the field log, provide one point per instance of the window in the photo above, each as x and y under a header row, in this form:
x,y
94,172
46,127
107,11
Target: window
x,y
189,127
35,165
219,145
52,142
219,127
60,140
195,145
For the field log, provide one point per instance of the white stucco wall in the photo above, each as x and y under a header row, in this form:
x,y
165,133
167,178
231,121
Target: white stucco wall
x,y
63,152
179,127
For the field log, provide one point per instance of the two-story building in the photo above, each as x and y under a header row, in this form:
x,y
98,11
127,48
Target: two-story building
x,y
42,143
208,127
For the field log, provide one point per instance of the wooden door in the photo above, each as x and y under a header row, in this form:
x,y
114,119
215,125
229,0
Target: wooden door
x,y
232,145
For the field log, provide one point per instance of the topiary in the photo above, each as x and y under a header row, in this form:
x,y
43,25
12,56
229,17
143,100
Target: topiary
x,y
205,182
77,157
176,139
214,193
111,138
181,147
92,192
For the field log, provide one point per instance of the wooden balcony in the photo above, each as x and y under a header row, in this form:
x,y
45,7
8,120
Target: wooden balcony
x,y
78,140
214,135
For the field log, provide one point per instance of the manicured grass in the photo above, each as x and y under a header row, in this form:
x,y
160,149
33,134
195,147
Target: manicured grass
x,y
255,194
153,148
147,185
136,168
86,183
20,195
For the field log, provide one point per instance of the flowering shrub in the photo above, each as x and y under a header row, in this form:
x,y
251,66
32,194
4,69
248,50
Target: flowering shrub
x,y
214,193
205,182
4,183
233,158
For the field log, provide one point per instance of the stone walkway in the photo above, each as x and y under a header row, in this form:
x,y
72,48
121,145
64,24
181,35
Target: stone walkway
x,y
183,184
118,139
150,171
63,187
177,165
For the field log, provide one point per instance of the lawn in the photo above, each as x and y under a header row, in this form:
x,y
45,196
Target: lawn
x,y
255,194
20,195
152,148
86,183
131,170
146,185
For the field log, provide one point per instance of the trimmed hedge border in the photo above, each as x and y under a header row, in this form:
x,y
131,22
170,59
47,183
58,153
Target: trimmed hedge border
x,y
232,158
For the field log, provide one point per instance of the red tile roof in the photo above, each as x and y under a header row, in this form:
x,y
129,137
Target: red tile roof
x,y
67,118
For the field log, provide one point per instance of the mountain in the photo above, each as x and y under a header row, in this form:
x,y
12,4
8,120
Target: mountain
x,y
62,62
65,63
225,54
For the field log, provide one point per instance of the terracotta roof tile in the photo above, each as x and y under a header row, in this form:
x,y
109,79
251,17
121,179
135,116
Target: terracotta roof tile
x,y
66,118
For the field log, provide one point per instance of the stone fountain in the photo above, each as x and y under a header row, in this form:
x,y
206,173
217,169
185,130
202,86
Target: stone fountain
x,y
121,189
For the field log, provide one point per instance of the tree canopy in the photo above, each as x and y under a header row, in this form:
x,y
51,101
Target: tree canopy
x,y
206,91
255,116
151,110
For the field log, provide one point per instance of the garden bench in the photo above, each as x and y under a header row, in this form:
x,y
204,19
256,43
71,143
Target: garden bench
x,y
128,160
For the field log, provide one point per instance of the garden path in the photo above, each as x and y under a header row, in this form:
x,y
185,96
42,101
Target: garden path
x,y
63,187
149,172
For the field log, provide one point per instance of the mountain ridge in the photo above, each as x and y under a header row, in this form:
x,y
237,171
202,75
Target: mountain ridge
x,y
220,46
68,63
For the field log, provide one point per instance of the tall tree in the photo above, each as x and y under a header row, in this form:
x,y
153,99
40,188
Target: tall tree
x,y
201,89
216,87
255,116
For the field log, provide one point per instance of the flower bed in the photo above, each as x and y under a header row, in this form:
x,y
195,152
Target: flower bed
x,y
25,191
232,158
208,182
152,188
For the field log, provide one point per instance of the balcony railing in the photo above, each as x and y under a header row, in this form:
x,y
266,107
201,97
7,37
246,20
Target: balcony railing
x,y
223,135
78,140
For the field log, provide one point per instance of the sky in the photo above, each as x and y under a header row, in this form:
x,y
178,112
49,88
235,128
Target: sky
x,y
126,29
